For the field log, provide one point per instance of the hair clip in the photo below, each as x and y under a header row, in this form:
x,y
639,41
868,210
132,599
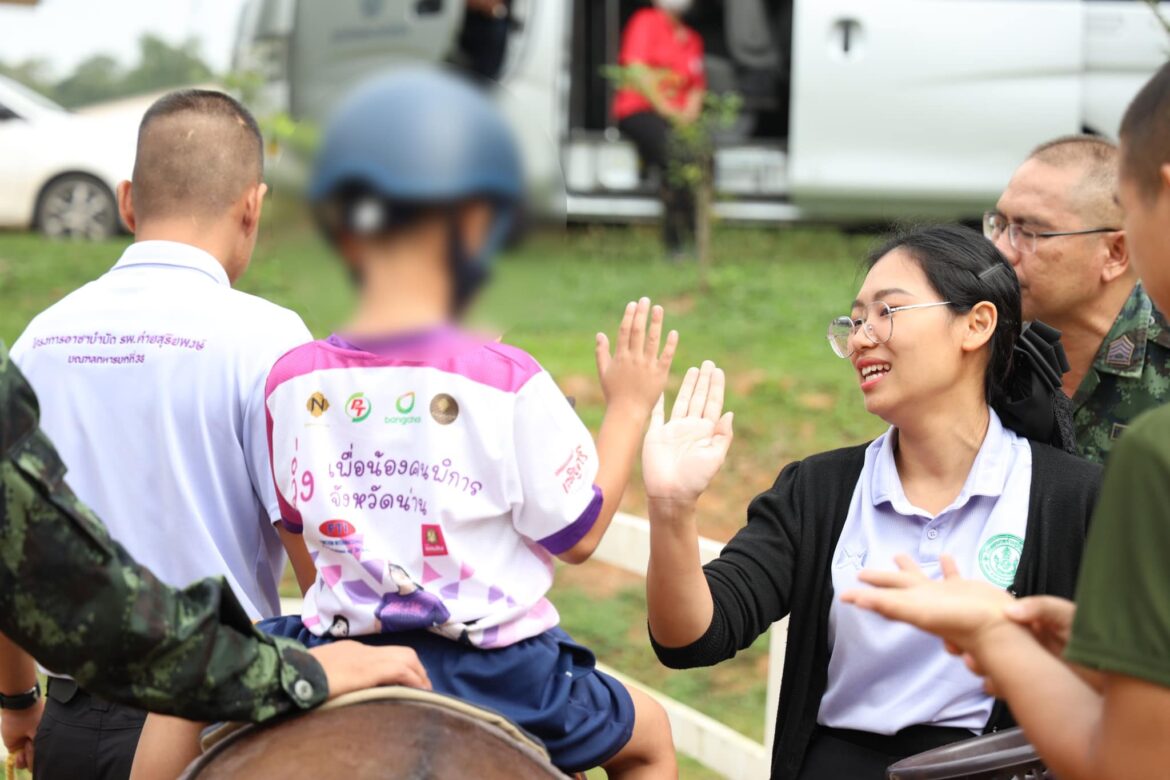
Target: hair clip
x,y
988,272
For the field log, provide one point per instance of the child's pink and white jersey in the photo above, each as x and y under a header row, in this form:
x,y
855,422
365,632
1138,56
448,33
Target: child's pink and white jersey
x,y
434,478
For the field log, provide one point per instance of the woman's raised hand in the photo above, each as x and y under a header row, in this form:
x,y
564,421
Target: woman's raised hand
x,y
682,456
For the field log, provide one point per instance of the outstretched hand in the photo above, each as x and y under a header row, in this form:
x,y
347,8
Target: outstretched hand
x,y
634,375
681,457
352,666
960,611
1049,618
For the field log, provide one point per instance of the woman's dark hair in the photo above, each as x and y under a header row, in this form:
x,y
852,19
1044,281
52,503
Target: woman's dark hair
x,y
965,268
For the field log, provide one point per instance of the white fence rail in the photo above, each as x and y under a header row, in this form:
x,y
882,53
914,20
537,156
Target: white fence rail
x,y
626,545
713,744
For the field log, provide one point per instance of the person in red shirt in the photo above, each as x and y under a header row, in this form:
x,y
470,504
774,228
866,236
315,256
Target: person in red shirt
x,y
665,60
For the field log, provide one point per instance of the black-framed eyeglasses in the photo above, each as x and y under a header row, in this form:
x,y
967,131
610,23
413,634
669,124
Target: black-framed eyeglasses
x,y
876,321
1024,240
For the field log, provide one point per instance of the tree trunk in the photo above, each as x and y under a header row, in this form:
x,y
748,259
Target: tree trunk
x,y
703,232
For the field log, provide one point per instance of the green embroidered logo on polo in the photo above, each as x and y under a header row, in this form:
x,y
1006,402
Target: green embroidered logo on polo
x,y
999,557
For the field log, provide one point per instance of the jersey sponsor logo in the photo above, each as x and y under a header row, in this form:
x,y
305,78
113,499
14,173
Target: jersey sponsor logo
x,y
317,404
573,468
404,404
336,529
444,409
999,557
342,536
433,542
358,407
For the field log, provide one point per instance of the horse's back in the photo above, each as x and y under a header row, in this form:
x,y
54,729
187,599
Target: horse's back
x,y
392,738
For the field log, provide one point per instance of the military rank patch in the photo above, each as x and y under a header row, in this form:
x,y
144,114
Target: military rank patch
x,y
1120,352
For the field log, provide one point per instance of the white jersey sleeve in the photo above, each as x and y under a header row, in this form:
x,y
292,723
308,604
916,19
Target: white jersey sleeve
x,y
556,461
292,334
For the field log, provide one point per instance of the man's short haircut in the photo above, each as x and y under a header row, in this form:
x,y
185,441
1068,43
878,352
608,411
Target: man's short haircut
x,y
198,151
1095,199
1145,133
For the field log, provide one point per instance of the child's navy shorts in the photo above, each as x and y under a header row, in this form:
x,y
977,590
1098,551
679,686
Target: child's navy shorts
x,y
548,685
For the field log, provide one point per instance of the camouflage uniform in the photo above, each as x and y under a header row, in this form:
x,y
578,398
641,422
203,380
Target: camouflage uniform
x,y
76,601
1130,375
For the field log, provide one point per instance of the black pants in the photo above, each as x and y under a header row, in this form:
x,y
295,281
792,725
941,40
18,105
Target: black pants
x,y
653,136
837,754
83,737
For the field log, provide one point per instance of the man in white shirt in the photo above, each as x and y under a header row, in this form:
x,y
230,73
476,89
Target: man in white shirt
x,y
151,382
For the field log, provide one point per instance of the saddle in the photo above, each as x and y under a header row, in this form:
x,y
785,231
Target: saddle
x,y
1006,755
391,733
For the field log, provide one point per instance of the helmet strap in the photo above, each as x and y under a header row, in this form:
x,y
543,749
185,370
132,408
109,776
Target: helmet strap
x,y
468,273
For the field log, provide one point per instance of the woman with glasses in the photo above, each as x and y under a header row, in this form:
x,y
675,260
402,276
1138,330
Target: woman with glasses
x,y
934,339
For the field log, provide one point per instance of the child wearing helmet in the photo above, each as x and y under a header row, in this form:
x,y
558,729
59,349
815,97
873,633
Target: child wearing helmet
x,y
434,475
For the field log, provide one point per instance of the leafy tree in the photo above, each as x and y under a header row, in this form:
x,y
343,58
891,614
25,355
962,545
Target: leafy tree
x,y
694,165
34,74
101,77
161,65
95,79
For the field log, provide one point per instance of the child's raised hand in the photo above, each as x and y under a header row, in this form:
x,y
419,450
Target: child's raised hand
x,y
681,457
634,376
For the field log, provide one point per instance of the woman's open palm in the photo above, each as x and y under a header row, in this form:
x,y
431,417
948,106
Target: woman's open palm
x,y
682,456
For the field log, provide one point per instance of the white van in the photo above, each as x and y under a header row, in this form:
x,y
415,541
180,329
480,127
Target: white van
x,y
853,109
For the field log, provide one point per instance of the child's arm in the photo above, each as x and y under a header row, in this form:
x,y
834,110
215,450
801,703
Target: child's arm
x,y
166,747
632,379
1081,733
298,555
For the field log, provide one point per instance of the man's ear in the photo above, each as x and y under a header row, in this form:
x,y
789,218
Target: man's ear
x,y
981,322
1117,257
253,205
125,195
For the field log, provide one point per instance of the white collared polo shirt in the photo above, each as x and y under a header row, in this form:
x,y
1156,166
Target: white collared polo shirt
x,y
884,676
151,386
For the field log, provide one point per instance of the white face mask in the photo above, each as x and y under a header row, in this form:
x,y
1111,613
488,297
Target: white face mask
x,y
676,7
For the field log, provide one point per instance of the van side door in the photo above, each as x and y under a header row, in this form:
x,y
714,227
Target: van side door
x,y
908,107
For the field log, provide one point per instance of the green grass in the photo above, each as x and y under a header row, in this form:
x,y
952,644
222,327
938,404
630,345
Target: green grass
x,y
763,319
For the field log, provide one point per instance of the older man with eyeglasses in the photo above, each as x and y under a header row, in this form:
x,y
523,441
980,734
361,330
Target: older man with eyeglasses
x,y
1058,223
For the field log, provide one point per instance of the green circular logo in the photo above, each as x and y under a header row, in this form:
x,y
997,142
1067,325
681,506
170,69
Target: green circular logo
x,y
999,557
405,403
358,407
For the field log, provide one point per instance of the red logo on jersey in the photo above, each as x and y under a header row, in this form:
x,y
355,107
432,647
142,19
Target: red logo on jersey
x,y
337,529
432,540
572,469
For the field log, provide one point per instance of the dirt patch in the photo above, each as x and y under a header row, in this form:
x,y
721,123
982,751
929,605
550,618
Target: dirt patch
x,y
584,390
599,580
819,402
683,304
744,383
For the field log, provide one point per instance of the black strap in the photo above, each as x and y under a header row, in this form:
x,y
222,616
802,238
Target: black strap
x,y
21,701
1034,404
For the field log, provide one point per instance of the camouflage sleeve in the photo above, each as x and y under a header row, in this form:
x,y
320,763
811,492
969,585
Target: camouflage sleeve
x,y
74,599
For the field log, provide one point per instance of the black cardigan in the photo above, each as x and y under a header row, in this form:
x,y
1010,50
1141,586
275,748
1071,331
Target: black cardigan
x,y
779,563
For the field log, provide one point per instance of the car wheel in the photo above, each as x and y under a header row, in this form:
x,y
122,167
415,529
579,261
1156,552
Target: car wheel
x,y
77,206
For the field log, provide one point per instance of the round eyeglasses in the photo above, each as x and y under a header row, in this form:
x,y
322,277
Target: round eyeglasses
x,y
876,321
1024,240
